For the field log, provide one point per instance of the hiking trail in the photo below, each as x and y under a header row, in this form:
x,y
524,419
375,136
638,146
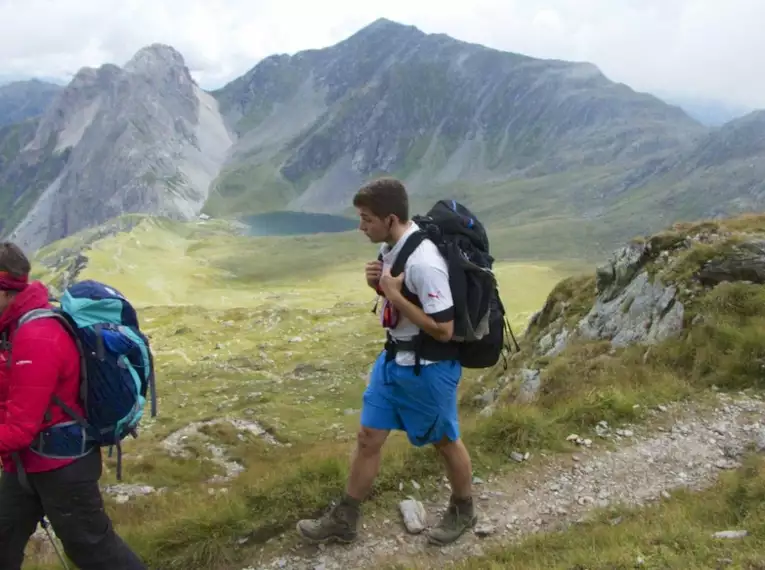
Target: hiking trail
x,y
685,446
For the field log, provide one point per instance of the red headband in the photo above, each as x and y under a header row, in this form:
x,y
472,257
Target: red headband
x,y
10,283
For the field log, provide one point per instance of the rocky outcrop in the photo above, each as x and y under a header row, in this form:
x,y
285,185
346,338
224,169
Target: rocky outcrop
x,y
643,312
139,139
641,296
631,307
613,277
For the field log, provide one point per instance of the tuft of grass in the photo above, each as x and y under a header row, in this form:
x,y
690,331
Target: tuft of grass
x,y
690,261
727,347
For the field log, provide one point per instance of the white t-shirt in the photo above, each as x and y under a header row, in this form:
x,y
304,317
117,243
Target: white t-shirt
x,y
426,274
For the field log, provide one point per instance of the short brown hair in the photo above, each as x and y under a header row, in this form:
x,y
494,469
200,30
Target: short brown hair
x,y
383,197
13,260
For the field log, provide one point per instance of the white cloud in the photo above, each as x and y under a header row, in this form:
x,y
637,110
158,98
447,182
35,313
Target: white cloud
x,y
703,48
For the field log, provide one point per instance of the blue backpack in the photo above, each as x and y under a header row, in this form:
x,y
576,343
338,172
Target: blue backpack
x,y
117,370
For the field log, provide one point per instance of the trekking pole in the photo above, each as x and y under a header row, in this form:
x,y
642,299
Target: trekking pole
x,y
45,525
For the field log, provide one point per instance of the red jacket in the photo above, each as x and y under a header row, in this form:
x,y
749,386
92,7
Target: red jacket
x,y
45,361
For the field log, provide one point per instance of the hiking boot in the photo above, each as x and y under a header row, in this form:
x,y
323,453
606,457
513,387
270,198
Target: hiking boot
x,y
340,524
459,517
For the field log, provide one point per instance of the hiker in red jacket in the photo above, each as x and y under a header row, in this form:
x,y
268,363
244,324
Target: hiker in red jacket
x,y
37,363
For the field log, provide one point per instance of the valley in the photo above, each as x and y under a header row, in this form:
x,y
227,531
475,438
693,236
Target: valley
x,y
629,253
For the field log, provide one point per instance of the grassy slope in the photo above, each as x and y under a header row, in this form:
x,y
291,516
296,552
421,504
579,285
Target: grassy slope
x,y
239,331
217,359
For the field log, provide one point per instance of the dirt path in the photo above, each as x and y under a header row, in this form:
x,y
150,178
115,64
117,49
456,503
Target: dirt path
x,y
690,452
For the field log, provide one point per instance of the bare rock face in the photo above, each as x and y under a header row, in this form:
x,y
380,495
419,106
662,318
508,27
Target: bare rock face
x,y
627,306
139,139
553,343
614,276
631,308
390,99
529,386
638,292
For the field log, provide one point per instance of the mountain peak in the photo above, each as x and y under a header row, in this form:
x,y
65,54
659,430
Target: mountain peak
x,y
385,23
103,74
384,26
156,57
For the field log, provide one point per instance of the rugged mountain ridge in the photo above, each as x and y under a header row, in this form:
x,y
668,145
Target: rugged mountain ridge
x,y
533,146
721,174
142,138
433,110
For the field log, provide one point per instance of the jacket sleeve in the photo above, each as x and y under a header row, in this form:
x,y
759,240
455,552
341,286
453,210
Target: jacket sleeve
x,y
33,378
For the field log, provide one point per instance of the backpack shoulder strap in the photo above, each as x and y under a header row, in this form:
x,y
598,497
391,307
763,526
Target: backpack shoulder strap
x,y
411,243
35,314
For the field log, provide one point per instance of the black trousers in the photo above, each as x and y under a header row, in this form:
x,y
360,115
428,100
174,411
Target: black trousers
x,y
71,499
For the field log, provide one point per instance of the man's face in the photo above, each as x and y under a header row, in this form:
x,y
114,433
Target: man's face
x,y
376,229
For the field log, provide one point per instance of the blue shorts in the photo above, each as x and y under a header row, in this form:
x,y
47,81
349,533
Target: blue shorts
x,y
423,406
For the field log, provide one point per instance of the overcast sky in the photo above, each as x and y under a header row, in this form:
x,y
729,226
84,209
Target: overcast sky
x,y
713,49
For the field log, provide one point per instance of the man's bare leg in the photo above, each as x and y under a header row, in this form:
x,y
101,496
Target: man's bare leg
x,y
341,523
365,462
459,468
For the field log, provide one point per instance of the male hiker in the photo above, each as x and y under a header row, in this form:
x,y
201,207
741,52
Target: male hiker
x,y
420,400
42,362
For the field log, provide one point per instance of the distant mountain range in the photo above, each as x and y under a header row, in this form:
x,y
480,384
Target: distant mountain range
x,y
709,112
22,100
551,153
